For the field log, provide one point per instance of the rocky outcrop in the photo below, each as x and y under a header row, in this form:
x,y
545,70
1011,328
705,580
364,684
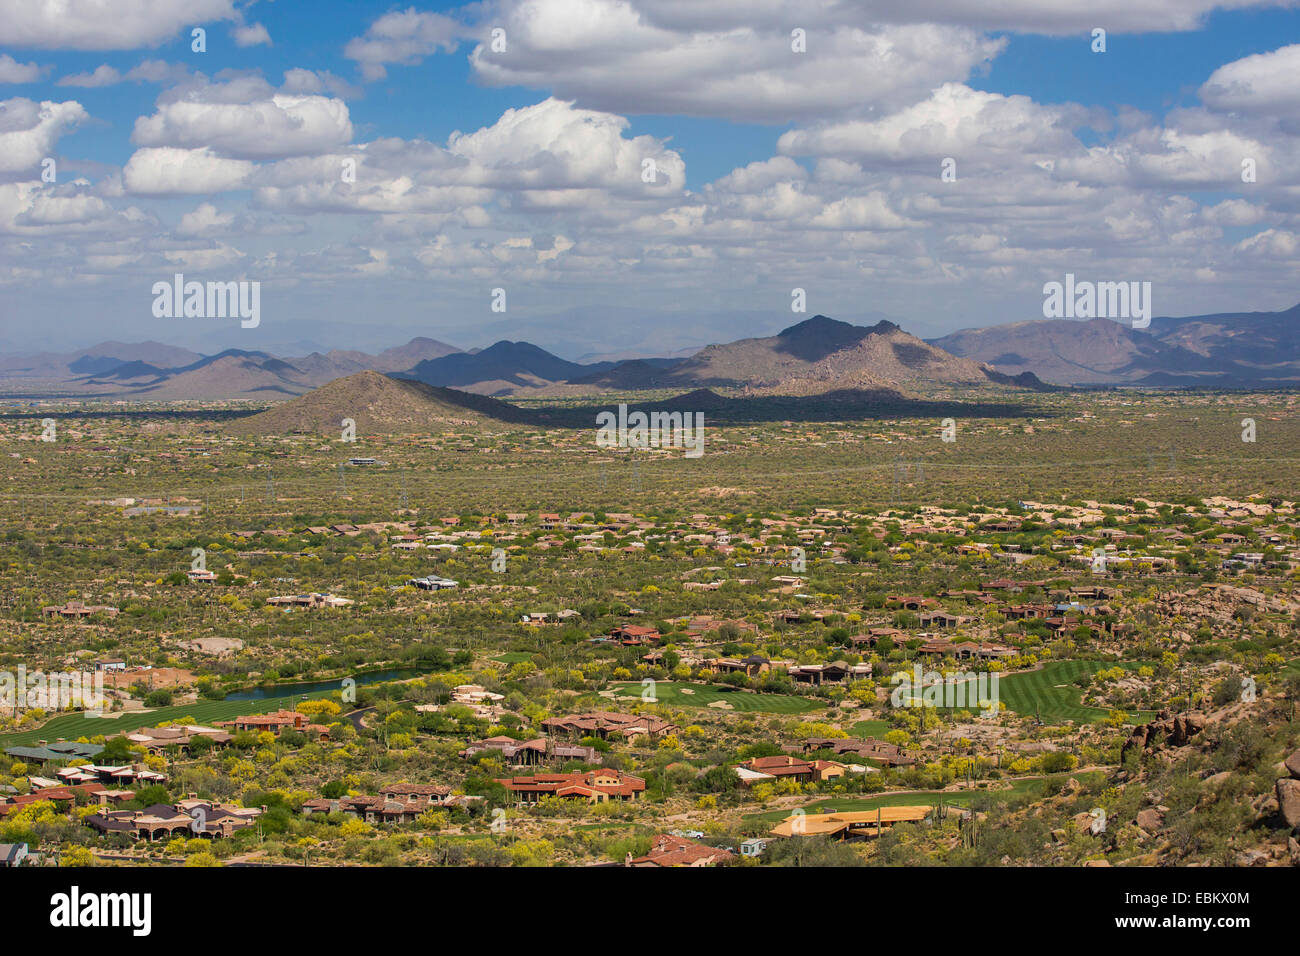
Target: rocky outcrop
x,y
1288,796
1088,824
1293,764
1288,801
1165,731
1150,819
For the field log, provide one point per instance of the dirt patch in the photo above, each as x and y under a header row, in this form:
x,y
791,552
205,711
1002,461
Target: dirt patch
x,y
715,491
216,645
156,678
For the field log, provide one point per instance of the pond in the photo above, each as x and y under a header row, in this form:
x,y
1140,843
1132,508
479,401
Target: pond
x,y
268,691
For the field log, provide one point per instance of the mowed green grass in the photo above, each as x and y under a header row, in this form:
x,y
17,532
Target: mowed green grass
x,y
928,798
1051,693
701,695
513,657
1051,690
869,728
78,725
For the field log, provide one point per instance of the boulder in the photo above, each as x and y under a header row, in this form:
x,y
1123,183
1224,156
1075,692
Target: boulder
x,y
1087,823
1293,764
1150,819
1288,801
1265,804
1184,728
1215,779
1166,729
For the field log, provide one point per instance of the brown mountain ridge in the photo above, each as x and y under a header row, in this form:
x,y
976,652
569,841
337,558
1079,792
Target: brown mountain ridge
x,y
378,404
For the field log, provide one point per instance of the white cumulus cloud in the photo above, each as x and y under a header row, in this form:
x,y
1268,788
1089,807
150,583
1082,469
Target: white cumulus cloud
x,y
281,125
609,55
401,37
11,71
100,25
30,130
167,169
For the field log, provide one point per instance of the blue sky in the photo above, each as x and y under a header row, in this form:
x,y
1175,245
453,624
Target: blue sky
x,y
1150,71
776,169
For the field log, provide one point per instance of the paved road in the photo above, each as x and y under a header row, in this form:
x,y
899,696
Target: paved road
x,y
355,717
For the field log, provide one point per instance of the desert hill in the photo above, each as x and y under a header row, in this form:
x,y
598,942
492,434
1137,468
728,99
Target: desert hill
x,y
379,404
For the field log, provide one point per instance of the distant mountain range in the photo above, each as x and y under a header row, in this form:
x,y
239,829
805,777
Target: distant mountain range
x,y
502,367
1233,349
149,371
817,356
823,355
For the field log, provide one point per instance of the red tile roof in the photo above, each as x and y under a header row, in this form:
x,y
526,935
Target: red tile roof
x,y
615,783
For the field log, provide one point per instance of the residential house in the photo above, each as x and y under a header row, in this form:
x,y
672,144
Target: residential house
x,y
60,750
911,602
874,634
833,673
63,797
432,582
594,786
193,816
125,774
750,666
1019,612
668,849
180,736
942,619
867,748
397,803
310,601
968,650
75,610
531,753
935,648
763,769
858,823
631,635
603,723
696,626
428,794
12,854
276,723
